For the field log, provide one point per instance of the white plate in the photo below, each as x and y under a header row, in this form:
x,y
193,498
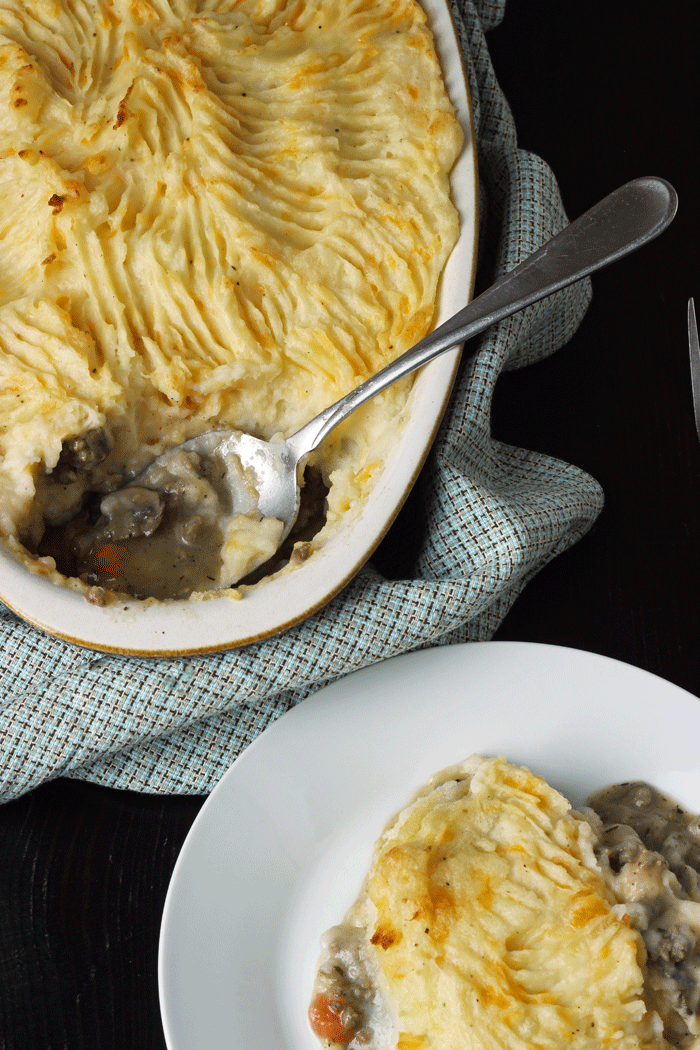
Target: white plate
x,y
280,848
179,628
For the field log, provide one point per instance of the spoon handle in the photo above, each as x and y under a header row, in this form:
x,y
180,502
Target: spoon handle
x,y
620,223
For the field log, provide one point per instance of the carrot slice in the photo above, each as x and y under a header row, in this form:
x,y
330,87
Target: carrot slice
x,y
325,1021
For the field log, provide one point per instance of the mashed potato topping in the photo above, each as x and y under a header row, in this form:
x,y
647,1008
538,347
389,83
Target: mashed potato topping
x,y
212,212
485,922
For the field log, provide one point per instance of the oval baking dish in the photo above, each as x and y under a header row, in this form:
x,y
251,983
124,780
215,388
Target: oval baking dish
x,y
180,627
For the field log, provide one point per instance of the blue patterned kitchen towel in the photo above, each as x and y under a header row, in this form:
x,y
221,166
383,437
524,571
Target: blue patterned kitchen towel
x,y
494,516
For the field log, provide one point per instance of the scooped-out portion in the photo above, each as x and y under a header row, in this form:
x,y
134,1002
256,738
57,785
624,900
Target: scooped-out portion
x,y
214,214
174,532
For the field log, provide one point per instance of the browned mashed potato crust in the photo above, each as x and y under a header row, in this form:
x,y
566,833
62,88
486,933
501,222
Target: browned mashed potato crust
x,y
212,213
495,916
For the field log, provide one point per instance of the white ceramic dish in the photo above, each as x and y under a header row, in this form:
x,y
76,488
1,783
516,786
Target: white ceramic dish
x,y
180,628
280,848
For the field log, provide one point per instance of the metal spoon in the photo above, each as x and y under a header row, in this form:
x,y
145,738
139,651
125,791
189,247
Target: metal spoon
x,y
622,222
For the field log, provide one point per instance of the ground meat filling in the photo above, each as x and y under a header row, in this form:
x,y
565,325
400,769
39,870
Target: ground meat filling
x,y
347,1009
649,850
162,539
62,493
161,542
80,455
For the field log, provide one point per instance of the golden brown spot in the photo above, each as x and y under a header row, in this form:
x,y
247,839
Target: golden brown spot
x,y
485,898
491,996
384,936
441,913
410,1042
68,64
56,202
95,162
529,784
48,259
293,18
19,102
122,111
592,908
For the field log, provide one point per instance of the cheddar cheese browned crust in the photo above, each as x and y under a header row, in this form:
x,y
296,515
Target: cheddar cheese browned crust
x,y
211,213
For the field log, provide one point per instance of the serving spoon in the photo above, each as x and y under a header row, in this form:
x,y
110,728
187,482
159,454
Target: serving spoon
x,y
622,222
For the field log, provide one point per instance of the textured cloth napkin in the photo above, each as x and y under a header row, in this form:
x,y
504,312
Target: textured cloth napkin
x,y
493,516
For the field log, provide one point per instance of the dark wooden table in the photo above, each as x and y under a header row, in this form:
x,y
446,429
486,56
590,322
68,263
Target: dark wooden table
x,y
604,92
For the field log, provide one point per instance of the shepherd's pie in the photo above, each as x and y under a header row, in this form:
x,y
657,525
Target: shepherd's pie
x,y
211,214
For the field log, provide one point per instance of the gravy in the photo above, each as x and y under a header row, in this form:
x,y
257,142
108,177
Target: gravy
x,y
174,534
649,850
